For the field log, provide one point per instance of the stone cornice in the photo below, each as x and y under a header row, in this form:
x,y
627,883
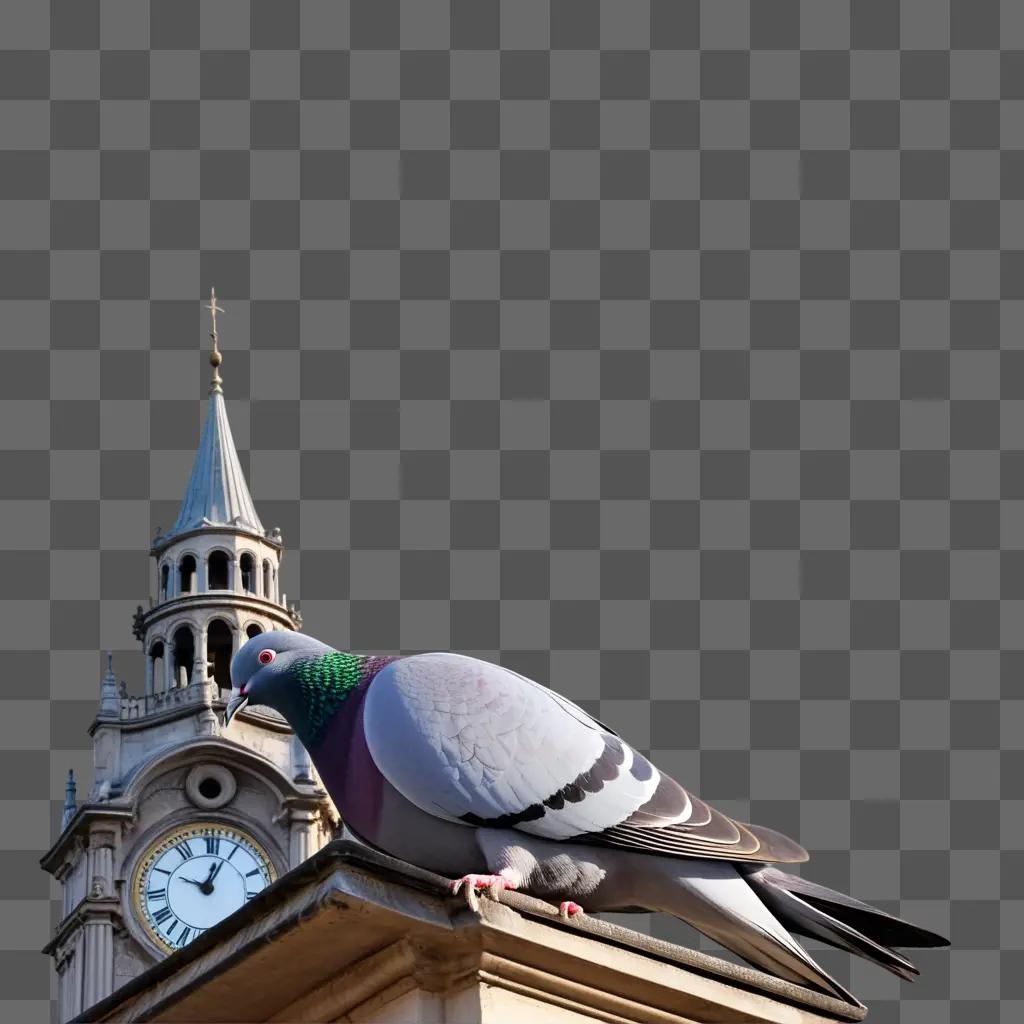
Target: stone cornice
x,y
170,540
216,599
80,827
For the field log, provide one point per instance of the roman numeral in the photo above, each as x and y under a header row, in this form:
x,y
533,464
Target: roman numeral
x,y
183,938
161,915
249,895
171,927
162,871
213,844
184,850
249,874
157,894
234,850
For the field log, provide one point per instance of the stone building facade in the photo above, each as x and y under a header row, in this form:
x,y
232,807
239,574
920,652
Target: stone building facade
x,y
162,761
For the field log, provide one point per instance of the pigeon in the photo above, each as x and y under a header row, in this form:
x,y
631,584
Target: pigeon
x,y
475,772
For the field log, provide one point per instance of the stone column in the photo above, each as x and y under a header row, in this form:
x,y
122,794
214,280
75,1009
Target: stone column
x,y
149,674
199,657
169,666
98,961
302,843
100,865
98,937
69,979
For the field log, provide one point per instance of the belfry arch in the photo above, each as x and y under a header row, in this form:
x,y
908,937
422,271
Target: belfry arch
x,y
184,656
247,570
187,575
217,571
156,668
219,651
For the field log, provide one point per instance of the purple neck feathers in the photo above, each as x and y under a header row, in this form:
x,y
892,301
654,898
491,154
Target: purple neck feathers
x,y
343,760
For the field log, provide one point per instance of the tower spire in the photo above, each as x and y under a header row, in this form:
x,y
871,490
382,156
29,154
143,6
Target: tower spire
x,y
215,356
217,493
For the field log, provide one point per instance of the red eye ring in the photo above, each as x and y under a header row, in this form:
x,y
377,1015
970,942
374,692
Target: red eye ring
x,y
266,656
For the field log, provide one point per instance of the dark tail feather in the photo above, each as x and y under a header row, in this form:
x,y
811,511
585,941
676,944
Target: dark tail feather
x,y
833,917
877,924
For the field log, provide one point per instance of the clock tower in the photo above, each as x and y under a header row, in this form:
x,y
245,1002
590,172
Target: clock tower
x,y
184,822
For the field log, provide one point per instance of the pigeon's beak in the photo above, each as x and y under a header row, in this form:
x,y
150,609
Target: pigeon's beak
x,y
236,702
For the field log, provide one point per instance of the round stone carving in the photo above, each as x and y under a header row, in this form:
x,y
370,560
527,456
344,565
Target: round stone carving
x,y
210,786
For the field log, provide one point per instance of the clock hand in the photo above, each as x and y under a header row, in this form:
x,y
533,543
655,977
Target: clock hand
x,y
206,887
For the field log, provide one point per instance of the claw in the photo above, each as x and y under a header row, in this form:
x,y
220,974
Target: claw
x,y
480,882
567,909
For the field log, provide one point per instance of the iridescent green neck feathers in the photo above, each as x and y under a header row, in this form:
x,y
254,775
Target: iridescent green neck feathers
x,y
325,683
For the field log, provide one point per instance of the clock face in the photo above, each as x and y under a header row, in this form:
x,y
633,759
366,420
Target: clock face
x,y
193,877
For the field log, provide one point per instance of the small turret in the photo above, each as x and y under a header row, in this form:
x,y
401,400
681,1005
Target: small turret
x,y
70,806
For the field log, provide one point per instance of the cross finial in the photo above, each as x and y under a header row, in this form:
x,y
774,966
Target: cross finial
x,y
215,356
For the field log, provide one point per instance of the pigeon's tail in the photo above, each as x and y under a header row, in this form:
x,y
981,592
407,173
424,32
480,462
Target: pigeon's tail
x,y
715,899
840,920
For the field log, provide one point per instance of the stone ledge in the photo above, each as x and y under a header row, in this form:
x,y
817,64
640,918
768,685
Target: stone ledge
x,y
355,935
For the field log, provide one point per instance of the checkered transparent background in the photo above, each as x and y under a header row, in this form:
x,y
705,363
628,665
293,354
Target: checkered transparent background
x,y
669,352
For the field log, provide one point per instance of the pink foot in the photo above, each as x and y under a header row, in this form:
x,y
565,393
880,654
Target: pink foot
x,y
480,882
569,909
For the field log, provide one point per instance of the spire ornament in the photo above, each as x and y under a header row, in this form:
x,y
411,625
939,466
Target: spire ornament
x,y
215,357
70,804
110,702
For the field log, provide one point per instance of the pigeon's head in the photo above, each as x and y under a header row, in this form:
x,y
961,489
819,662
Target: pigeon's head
x,y
262,671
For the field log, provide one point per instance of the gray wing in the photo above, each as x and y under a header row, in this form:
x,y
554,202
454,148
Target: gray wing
x,y
473,742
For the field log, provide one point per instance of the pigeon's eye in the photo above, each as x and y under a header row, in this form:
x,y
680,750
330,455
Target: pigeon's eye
x,y
266,656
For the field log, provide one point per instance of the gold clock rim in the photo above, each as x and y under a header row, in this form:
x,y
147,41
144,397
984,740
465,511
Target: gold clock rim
x,y
164,837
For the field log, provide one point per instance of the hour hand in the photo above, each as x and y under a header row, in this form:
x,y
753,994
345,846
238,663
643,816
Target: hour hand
x,y
194,881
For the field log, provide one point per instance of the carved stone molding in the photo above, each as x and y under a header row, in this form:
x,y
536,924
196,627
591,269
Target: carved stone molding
x,y
104,835
444,966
